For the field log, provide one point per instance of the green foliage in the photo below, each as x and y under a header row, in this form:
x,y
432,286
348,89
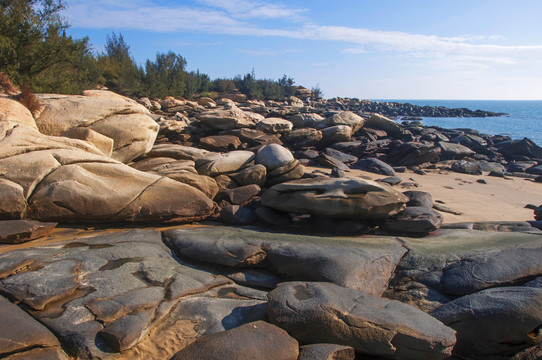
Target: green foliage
x,y
317,93
34,46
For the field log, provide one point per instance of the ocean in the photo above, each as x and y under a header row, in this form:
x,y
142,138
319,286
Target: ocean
x,y
525,119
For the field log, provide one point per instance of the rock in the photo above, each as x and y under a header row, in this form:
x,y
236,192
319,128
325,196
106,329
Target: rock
x,y
12,200
216,164
205,184
254,137
339,155
302,138
70,180
240,195
274,126
525,147
178,152
466,167
391,180
273,156
102,294
494,323
320,312
339,198
164,165
19,332
361,264
305,120
330,162
335,134
125,121
379,122
532,353
413,153
270,216
14,113
220,143
226,118
520,166
446,209
356,122
251,175
419,198
374,165
237,215
326,352
292,171
206,101
252,341
415,220
451,151
537,170
18,231
103,143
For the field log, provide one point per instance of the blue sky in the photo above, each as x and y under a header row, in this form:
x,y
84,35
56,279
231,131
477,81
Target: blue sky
x,y
369,49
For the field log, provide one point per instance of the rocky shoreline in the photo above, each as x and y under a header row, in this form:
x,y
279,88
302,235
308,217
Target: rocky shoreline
x,y
278,259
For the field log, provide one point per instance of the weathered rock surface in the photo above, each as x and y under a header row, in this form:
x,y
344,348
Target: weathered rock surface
x,y
342,198
252,341
274,126
326,352
226,118
223,163
359,264
18,231
320,312
415,220
380,122
494,323
125,121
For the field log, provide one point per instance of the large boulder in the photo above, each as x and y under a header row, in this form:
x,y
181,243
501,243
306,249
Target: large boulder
x,y
327,313
274,126
352,198
356,122
252,341
125,121
494,323
217,163
525,147
380,122
14,113
226,118
413,153
452,151
66,179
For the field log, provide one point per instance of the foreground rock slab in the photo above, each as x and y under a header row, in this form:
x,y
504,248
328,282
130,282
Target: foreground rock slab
x,y
364,264
253,341
320,312
18,231
341,198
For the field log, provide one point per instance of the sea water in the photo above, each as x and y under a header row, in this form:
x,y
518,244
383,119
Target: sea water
x,y
524,119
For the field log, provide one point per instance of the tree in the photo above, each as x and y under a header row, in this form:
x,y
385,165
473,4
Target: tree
x,y
165,76
119,70
317,93
287,85
33,41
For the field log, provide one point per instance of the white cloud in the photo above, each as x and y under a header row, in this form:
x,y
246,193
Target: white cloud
x,y
239,17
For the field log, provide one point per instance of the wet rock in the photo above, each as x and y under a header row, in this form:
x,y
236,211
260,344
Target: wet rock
x,y
252,341
466,167
327,313
341,198
18,231
326,352
494,323
374,165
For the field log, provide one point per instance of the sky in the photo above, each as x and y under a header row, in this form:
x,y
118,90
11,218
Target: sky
x,y
367,49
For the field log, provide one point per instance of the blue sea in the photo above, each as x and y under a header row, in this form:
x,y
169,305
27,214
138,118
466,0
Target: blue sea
x,y
525,119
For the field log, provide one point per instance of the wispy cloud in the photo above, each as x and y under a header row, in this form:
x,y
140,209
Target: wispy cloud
x,y
257,52
241,17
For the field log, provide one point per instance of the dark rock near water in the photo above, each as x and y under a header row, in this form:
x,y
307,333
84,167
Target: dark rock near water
x,y
466,167
375,166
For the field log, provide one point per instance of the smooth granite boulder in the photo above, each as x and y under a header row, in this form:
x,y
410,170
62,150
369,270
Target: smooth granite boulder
x,y
104,143
124,120
217,164
253,341
14,113
274,156
336,197
364,264
355,122
226,118
494,323
323,312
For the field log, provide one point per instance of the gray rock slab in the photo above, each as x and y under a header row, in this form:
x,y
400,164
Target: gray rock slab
x,y
327,313
360,263
326,352
494,323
